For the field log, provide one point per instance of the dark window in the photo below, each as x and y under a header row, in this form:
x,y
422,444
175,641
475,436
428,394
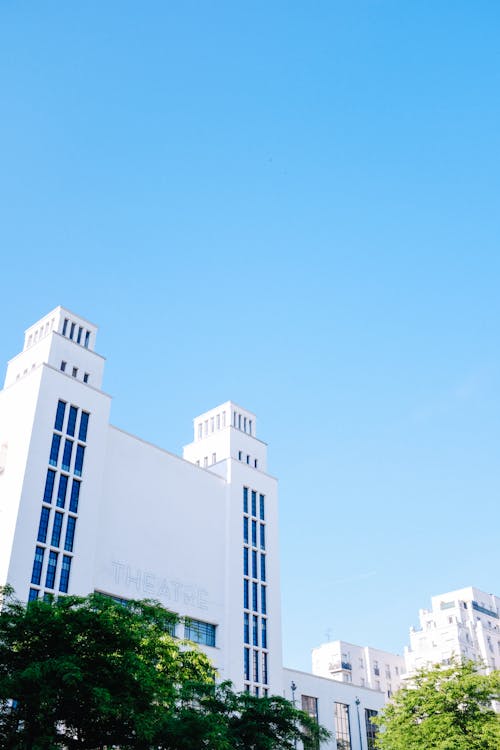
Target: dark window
x,y
33,595
74,372
63,366
200,632
85,377
72,330
254,563
371,728
68,450
65,571
262,508
245,529
264,670
342,726
65,326
37,565
43,525
49,486
70,534
84,423
246,663
79,337
262,536
254,503
310,706
264,634
54,450
254,533
75,496
245,593
263,600
245,560
87,339
245,499
254,597
248,459
56,530
61,408
263,567
255,630
246,628
80,452
73,412
255,659
51,570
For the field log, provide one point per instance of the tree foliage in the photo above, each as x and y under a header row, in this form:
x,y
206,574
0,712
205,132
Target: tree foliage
x,y
443,709
87,673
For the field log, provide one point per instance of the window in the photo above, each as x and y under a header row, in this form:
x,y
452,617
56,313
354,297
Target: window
x,y
87,339
205,462
254,563
245,499
70,534
43,525
239,421
80,453
371,729
264,634
61,408
86,377
240,454
74,372
254,597
214,458
33,595
49,486
72,330
56,530
255,630
264,669
206,426
254,533
63,366
68,450
211,424
248,459
310,706
223,418
245,594
255,659
245,561
263,600
65,326
73,412
246,627
245,424
250,426
218,421
84,423
51,570
246,663
37,565
245,529
200,431
254,503
342,726
54,450
65,571
200,632
262,536
262,508
263,567
75,496
255,462
79,337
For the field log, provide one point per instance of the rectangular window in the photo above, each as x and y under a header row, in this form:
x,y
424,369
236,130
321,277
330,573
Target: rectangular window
x,y
240,454
310,706
79,337
262,508
73,412
212,424
65,571
263,600
248,459
246,628
245,499
54,450
68,451
263,567
37,566
254,533
245,594
245,529
250,426
70,534
262,536
51,570
72,330
264,669
342,726
254,503
56,530
255,630
86,377
255,659
244,424
61,408
214,458
246,663
49,486
75,496
63,366
371,729
87,339
43,525
200,632
80,453
65,326
200,431
264,634
254,564
218,421
245,561
254,597
74,372
84,423
33,595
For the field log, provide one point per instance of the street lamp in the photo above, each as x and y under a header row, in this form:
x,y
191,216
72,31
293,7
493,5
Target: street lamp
x,y
357,702
293,688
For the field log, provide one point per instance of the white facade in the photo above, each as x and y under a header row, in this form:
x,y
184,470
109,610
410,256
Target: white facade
x,y
463,624
359,665
85,506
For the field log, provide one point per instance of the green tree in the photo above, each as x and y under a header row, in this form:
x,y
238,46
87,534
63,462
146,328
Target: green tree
x,y
443,709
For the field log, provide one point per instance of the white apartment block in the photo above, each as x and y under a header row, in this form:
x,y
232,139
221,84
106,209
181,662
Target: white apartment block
x,y
462,624
359,665
86,506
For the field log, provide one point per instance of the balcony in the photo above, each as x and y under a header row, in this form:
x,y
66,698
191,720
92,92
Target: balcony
x,y
340,666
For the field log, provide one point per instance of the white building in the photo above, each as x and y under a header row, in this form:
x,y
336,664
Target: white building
x,y
85,506
461,624
359,665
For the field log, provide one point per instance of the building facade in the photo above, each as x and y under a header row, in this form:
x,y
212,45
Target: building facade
x,y
85,506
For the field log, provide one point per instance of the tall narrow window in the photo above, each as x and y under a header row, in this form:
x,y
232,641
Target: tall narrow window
x,y
245,529
255,630
262,508
245,594
239,421
70,534
68,450
371,728
254,503
254,533
80,453
246,628
74,372
264,669
245,499
254,597
255,659
246,663
54,450
65,571
263,600
61,408
86,377
250,426
84,423
79,337
65,326
264,634
244,424
63,366
254,563
263,566
73,412
87,339
245,561
49,486
37,565
75,496
56,530
262,536
200,431
72,330
51,570
43,525
342,726
33,595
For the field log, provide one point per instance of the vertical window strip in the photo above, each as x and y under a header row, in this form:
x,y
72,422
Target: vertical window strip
x,y
263,600
43,525
84,423
33,595
254,597
245,529
262,508
262,536
264,634
73,413
59,421
80,453
245,499
61,490
68,451
254,533
65,572
254,503
262,567
54,450
56,529
75,496
51,570
70,534
255,630
37,565
245,594
246,628
245,561
264,668
246,663
49,486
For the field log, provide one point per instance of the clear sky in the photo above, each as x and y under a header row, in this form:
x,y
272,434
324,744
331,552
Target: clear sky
x,y
294,205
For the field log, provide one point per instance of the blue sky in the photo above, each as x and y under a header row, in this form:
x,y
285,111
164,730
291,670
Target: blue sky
x,y
295,206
